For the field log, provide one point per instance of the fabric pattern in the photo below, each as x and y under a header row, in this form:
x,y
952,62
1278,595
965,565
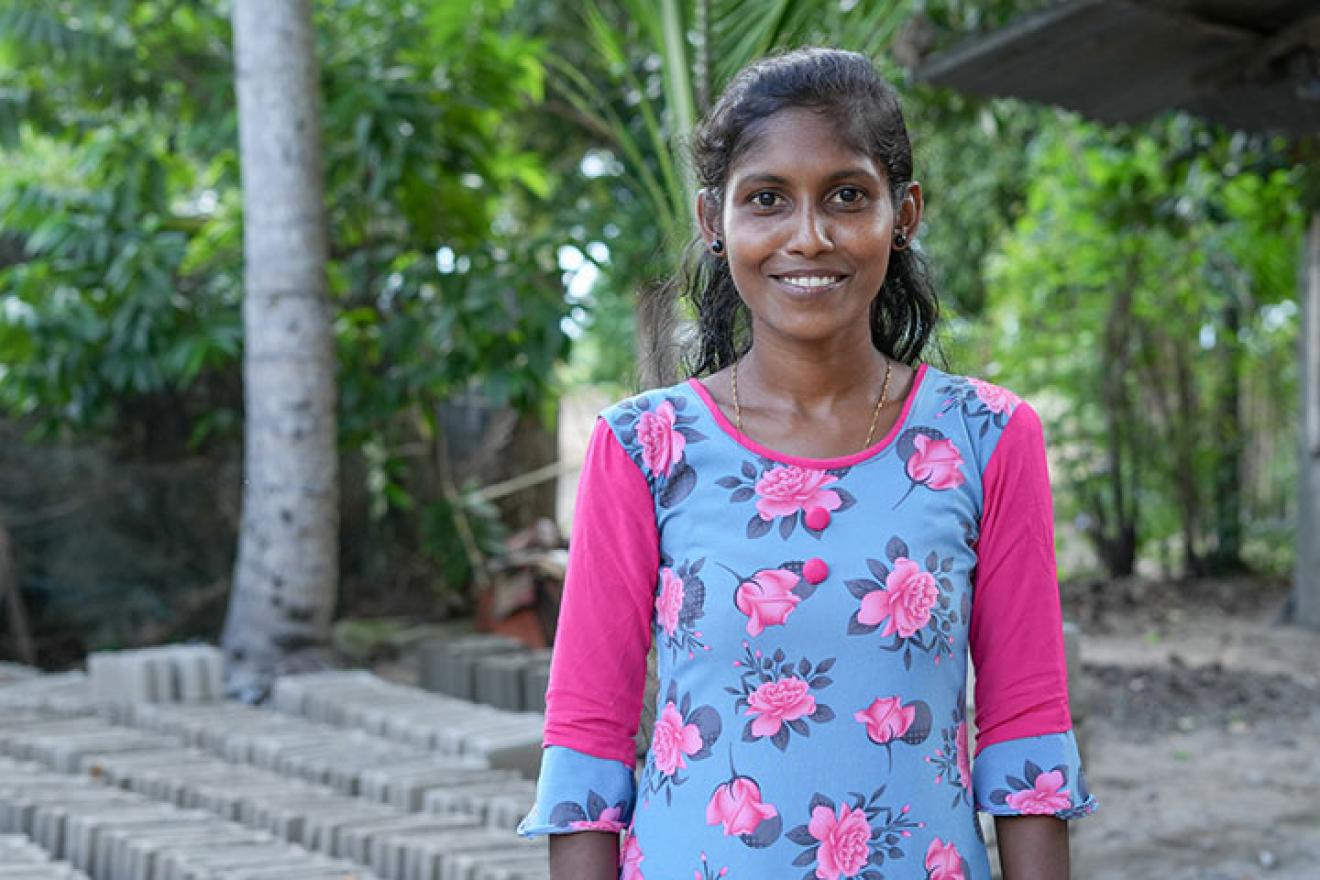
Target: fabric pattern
x,y
814,620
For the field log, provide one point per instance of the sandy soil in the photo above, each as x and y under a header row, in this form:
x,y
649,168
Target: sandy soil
x,y
1201,734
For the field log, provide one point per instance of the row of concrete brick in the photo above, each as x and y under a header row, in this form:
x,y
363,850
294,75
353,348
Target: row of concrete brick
x,y
117,835
336,771
21,859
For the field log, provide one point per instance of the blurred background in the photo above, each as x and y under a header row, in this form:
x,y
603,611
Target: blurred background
x,y
498,179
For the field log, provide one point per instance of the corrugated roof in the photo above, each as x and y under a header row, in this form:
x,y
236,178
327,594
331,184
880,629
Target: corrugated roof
x,y
1250,64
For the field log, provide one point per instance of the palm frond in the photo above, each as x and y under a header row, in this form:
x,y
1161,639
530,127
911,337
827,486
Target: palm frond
x,y
594,106
743,30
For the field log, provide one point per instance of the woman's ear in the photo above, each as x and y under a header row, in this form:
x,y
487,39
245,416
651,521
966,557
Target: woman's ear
x,y
709,210
908,216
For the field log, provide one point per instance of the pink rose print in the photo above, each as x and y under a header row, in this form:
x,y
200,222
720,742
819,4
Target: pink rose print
x,y
784,490
1043,799
996,399
610,819
943,861
964,761
738,807
662,444
767,598
905,604
886,719
632,860
935,464
775,702
853,837
844,841
670,601
673,741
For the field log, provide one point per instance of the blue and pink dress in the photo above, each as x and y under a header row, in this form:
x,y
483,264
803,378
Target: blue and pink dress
x,y
813,620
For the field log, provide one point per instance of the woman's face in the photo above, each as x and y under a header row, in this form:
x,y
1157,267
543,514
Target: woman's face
x,y
808,224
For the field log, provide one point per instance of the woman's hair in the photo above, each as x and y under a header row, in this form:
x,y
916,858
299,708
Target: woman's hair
x,y
865,108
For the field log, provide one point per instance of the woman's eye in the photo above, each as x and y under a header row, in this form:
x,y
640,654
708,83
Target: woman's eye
x,y
850,195
765,199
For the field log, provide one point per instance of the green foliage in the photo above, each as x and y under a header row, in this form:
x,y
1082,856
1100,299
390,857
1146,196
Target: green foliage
x,y
1139,289
1126,280
125,198
121,223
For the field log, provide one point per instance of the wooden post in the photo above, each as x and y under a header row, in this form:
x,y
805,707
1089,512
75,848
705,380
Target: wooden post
x,y
1306,586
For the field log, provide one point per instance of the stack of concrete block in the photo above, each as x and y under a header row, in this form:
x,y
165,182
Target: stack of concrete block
x,y
536,680
502,680
491,669
21,859
352,763
159,786
405,714
221,791
63,693
166,674
117,835
66,744
449,666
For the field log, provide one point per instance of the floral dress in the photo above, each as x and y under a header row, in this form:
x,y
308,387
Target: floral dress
x,y
813,620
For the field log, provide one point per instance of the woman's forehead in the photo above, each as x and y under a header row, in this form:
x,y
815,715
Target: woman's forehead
x,y
801,142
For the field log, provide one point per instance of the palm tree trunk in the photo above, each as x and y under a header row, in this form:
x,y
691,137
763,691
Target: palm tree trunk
x,y
286,576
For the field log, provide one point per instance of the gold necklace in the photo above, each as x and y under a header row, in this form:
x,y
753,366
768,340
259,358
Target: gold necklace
x,y
875,417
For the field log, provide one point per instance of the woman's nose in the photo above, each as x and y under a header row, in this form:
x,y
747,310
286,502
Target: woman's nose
x,y
811,233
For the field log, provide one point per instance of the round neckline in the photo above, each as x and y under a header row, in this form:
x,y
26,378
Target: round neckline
x,y
801,460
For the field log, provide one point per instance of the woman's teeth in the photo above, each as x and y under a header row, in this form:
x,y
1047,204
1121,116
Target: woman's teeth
x,y
813,280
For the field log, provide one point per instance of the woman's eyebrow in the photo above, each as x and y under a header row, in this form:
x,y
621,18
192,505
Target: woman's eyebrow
x,y
768,179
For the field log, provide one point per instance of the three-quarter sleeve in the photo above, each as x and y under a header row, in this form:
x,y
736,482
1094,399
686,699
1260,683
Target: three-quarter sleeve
x,y
598,670
1026,754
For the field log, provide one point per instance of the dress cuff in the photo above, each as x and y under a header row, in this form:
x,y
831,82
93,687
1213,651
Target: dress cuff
x,y
580,792
1032,776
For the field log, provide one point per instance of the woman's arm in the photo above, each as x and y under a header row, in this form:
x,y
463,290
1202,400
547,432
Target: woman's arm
x,y
586,791
1027,772
1031,847
586,855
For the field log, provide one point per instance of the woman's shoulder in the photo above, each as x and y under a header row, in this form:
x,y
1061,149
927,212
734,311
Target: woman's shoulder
x,y
973,391
975,414
678,396
656,426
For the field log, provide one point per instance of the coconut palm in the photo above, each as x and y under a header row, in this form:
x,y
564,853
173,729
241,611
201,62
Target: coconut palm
x,y
286,576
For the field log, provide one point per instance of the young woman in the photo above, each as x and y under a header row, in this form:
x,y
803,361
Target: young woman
x,y
816,529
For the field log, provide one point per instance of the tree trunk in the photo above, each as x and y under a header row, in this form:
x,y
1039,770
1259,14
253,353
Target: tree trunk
x,y
286,575
1116,534
1186,442
1227,557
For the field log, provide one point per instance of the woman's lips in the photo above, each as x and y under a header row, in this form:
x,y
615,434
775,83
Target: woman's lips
x,y
810,285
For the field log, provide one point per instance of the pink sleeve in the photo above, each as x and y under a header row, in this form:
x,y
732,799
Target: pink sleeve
x,y
598,670
1016,628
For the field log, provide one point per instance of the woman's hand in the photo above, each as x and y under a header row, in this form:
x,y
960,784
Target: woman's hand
x,y
1032,847
584,855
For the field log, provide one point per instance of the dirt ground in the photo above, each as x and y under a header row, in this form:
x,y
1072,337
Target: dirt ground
x,y
1200,733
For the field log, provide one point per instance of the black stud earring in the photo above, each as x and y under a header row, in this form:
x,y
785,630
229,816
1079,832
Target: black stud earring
x,y
717,247
900,238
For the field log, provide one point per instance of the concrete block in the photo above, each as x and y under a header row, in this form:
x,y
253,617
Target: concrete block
x,y
448,666
166,674
475,798
536,679
63,694
501,680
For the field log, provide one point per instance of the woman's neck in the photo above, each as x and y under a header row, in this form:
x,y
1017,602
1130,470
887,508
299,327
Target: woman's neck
x,y
810,378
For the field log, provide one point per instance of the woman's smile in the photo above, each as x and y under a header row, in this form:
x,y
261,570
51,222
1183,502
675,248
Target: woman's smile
x,y
815,284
